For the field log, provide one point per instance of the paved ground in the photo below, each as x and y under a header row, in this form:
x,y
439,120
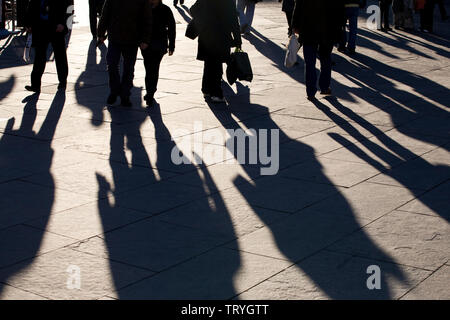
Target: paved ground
x,y
364,177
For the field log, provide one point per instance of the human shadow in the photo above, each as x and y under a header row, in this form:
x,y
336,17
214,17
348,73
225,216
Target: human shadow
x,y
173,222
90,89
22,201
377,87
306,236
6,87
410,170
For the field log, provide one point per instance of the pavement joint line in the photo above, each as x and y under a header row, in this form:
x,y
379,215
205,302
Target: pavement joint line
x,y
423,280
23,289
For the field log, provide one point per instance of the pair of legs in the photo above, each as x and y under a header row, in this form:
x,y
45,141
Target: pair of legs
x,y
121,86
310,52
40,60
152,61
351,14
246,9
385,6
212,78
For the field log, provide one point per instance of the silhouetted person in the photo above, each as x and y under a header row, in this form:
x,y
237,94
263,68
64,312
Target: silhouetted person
x,y
351,15
218,27
95,9
128,25
385,6
403,14
427,16
46,20
163,41
319,26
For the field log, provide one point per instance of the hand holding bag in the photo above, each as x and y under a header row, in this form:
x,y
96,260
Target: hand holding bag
x,y
239,67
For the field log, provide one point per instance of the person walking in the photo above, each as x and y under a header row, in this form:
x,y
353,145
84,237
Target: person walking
x,y
128,24
162,41
218,28
288,8
246,9
403,14
442,10
348,45
385,7
95,9
46,20
318,24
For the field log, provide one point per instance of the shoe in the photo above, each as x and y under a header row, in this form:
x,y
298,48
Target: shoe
x,y
342,49
244,28
175,3
206,95
125,102
217,99
326,92
148,99
351,51
111,99
311,98
33,89
62,86
181,2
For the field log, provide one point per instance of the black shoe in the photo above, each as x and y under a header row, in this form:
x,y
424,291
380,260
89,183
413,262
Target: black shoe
x,y
312,98
62,86
342,49
351,51
148,100
326,92
111,99
125,102
175,3
181,2
33,89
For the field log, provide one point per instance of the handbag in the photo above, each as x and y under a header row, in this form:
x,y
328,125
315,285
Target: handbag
x,y
291,52
191,30
239,67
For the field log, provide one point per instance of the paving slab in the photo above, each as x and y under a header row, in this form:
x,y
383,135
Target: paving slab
x,y
433,288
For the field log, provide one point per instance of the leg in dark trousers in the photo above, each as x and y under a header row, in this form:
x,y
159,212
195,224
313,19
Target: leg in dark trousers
x,y
325,67
442,10
129,54
59,48
40,60
385,10
152,61
289,21
428,12
93,17
113,60
310,54
212,78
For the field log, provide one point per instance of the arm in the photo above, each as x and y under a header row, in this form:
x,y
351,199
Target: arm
x,y
104,20
171,31
235,28
146,25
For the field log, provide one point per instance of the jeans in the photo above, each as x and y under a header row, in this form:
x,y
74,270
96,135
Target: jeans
x,y
129,54
212,78
246,9
58,42
310,52
152,61
351,15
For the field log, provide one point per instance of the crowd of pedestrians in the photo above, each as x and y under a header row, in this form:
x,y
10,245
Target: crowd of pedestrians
x,y
149,25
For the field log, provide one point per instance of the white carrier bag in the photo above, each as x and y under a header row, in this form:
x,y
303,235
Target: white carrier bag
x,y
292,50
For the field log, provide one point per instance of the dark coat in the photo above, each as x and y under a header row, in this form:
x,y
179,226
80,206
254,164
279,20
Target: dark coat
x,y
163,29
319,21
43,30
218,28
126,22
288,5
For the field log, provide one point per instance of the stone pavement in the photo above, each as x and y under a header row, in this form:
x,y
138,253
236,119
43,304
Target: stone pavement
x,y
92,207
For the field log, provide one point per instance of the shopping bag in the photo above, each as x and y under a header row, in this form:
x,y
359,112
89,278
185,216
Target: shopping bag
x,y
239,67
291,52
